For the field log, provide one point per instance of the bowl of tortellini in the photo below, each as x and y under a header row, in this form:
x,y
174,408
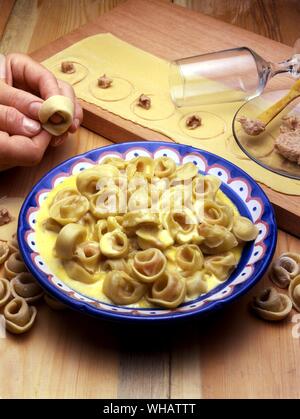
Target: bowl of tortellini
x,y
147,231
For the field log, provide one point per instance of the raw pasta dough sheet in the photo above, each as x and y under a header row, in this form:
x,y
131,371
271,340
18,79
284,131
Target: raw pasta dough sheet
x,y
134,72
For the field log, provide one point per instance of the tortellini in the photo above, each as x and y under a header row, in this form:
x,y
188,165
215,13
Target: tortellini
x,y
294,292
88,255
25,286
68,239
149,265
114,244
122,289
78,272
143,232
181,225
215,239
164,167
14,265
189,258
5,291
19,316
141,166
168,291
285,268
271,305
196,284
221,265
69,210
243,229
217,214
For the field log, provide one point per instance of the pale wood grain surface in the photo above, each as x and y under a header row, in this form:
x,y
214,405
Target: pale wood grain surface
x,y
6,7
230,354
275,19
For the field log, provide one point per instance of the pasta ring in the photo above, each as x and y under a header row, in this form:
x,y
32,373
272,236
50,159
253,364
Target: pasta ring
x,y
25,286
149,265
122,289
168,291
284,269
294,292
61,105
14,265
19,316
270,305
5,292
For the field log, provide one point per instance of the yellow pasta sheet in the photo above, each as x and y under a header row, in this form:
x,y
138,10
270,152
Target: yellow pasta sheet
x,y
135,72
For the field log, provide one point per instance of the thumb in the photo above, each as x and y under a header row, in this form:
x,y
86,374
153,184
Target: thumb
x,y
14,122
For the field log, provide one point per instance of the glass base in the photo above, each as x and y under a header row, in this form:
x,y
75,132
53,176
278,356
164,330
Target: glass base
x,y
262,148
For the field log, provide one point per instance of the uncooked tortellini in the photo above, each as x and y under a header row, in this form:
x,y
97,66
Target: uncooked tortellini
x,y
25,286
294,292
19,316
5,291
271,305
285,268
14,265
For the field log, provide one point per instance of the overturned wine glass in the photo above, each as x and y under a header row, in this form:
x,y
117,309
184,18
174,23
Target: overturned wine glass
x,y
237,74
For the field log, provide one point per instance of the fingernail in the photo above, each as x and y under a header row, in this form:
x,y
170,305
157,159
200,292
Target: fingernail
x,y
34,109
2,67
33,127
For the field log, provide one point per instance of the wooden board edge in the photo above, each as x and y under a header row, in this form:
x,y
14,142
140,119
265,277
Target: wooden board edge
x,y
115,128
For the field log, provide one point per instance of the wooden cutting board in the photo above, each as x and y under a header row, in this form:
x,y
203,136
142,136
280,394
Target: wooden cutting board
x,y
172,32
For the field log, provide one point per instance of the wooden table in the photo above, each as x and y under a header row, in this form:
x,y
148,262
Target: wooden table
x,y
230,354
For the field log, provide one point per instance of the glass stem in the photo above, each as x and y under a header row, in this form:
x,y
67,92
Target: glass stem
x,y
290,66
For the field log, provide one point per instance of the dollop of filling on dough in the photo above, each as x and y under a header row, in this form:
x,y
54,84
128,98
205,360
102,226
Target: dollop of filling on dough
x,y
144,102
67,67
288,142
104,82
193,122
251,126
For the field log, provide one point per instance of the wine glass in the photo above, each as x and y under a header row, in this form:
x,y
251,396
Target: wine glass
x,y
237,74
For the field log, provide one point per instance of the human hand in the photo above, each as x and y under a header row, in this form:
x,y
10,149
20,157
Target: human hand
x,y
24,85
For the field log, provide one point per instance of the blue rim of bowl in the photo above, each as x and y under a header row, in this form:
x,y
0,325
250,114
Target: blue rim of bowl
x,y
151,146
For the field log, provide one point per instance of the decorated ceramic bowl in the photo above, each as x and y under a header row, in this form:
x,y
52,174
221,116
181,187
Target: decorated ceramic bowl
x,y
243,191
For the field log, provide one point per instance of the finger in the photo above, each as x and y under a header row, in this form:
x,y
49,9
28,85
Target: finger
x,y
23,101
25,73
14,122
2,68
67,90
18,150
